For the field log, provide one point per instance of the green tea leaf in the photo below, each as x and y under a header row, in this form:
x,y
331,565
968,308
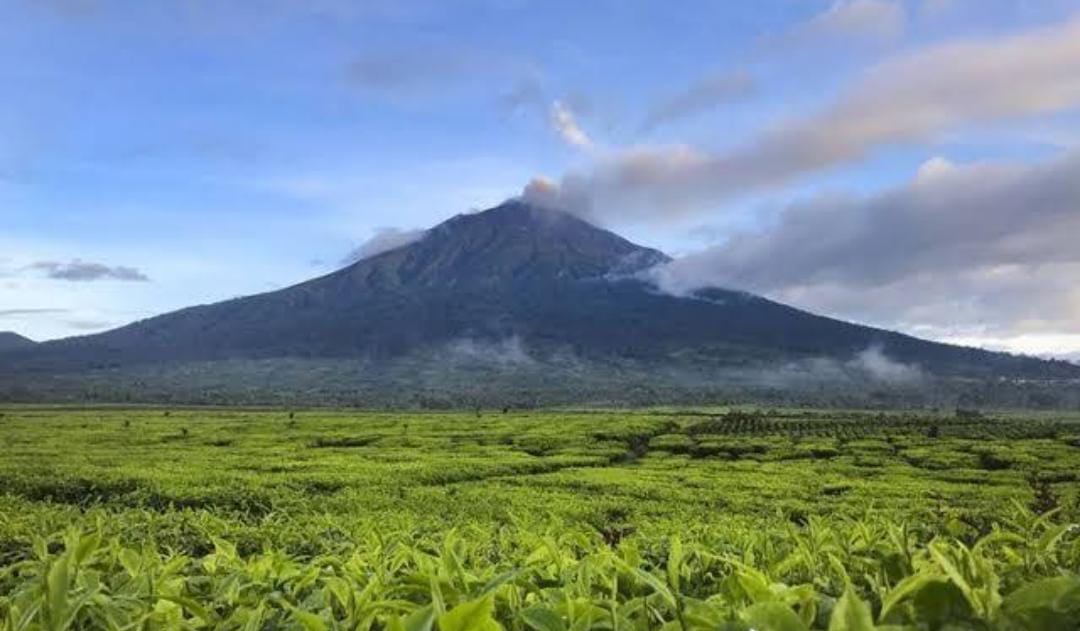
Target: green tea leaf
x,y
773,616
419,620
851,613
473,615
542,619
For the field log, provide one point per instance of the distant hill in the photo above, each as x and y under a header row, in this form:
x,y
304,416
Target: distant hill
x,y
510,288
12,341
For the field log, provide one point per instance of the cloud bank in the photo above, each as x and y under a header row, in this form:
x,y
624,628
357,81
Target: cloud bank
x,y
993,244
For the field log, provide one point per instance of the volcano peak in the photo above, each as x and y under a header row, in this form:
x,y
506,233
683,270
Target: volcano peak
x,y
512,241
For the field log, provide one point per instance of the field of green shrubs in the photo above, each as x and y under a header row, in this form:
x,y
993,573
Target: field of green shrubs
x,y
544,521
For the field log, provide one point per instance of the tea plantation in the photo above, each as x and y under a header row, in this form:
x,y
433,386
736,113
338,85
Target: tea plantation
x,y
538,520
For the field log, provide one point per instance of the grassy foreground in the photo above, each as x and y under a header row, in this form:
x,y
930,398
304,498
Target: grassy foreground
x,y
785,520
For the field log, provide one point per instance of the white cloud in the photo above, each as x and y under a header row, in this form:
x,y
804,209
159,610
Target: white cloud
x,y
934,168
874,363
1052,345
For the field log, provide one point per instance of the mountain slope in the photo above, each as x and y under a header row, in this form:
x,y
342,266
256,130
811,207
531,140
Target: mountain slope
x,y
10,340
550,282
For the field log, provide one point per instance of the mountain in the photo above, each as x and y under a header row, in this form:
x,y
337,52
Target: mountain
x,y
12,341
513,289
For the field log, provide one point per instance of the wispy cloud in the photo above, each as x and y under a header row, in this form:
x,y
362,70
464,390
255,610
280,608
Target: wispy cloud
x,y
911,98
873,21
438,71
384,240
937,8
84,271
526,94
704,94
409,71
436,75
73,7
89,325
15,313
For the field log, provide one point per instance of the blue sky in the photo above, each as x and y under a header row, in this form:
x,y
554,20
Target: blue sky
x,y
221,149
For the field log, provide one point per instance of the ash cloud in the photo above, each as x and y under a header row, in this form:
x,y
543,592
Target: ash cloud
x,y
542,192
